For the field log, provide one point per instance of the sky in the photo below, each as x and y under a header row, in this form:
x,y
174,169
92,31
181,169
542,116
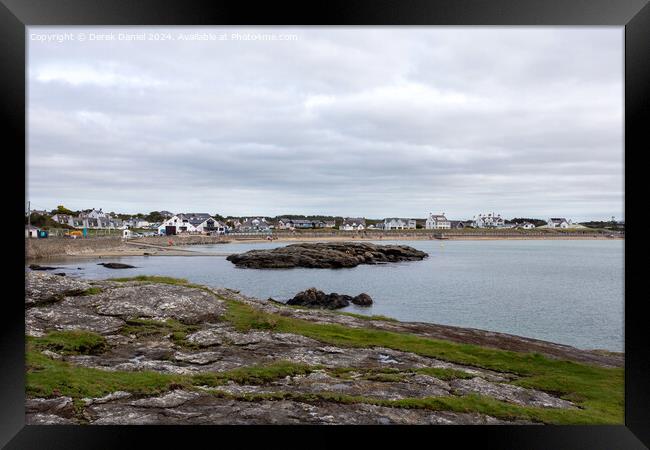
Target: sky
x,y
370,121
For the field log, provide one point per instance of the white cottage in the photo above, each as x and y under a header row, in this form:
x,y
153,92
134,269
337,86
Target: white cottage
x,y
31,231
437,222
353,224
558,222
396,223
489,220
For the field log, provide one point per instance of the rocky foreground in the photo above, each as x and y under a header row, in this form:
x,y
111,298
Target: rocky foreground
x,y
163,351
326,255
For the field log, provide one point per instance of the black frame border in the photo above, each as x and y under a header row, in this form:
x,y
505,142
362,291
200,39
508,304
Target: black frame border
x,y
16,15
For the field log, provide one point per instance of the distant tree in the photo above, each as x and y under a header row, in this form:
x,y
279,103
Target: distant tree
x,y
62,210
44,222
155,216
536,222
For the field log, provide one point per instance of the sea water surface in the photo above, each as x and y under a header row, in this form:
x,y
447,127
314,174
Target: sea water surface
x,y
565,291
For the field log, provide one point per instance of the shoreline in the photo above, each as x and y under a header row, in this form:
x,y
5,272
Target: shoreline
x,y
119,248
213,355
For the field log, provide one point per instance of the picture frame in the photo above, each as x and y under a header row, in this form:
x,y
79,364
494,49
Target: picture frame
x,y
634,15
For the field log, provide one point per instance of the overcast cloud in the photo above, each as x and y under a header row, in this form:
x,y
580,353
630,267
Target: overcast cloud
x,y
372,122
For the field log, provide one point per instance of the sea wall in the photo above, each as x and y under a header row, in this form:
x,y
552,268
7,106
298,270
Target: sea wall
x,y
48,248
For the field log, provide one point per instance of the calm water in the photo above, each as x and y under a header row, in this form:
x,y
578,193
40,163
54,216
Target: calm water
x,y
562,291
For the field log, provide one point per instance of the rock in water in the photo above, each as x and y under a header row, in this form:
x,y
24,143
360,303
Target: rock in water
x,y
327,255
116,266
37,267
313,298
362,300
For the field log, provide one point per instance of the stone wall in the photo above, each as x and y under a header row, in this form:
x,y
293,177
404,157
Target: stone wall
x,y
48,248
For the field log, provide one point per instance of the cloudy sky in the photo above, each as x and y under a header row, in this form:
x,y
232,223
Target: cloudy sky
x,y
370,122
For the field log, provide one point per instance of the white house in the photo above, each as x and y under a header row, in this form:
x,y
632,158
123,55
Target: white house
x,y
64,219
254,224
31,231
558,222
353,224
283,224
489,220
93,214
395,223
191,223
437,222
136,222
526,226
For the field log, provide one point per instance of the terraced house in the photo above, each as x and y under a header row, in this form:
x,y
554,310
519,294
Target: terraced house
x,y
254,224
397,224
489,220
93,219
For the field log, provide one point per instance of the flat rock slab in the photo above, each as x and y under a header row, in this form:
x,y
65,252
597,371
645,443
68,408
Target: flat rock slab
x,y
42,288
328,255
189,408
159,301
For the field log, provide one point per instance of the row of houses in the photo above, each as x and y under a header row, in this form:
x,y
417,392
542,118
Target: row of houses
x,y
205,223
93,219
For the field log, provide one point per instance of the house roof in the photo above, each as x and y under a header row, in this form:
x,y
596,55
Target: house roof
x,y
397,218
31,227
354,220
197,218
437,217
558,219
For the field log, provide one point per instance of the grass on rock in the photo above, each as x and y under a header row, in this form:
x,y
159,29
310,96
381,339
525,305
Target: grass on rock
x,y
598,391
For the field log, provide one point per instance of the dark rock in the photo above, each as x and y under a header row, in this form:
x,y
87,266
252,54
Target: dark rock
x,y
116,266
314,298
328,255
362,300
37,267
61,274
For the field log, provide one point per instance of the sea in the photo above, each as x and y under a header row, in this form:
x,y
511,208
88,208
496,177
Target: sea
x,y
565,291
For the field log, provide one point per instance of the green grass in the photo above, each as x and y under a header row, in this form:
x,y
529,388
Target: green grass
x,y
364,317
444,374
92,291
69,342
145,327
596,390
47,378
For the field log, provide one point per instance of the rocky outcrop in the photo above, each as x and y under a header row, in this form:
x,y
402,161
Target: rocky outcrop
x,y
116,266
327,255
187,331
313,298
41,287
39,267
